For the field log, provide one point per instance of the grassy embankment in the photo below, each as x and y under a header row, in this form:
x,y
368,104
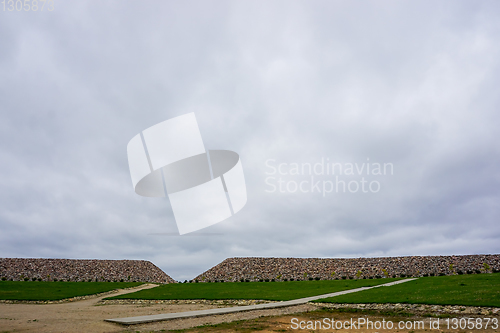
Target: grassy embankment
x,y
275,291
472,290
52,291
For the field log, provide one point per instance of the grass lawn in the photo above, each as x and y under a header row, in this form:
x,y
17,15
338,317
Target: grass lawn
x,y
276,291
52,291
473,290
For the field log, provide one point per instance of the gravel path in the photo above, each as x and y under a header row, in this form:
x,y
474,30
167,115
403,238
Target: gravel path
x,y
88,315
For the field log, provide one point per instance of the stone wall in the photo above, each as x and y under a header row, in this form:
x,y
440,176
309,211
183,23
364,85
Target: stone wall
x,y
255,269
19,269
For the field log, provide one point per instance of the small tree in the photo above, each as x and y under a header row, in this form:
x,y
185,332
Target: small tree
x,y
358,274
486,267
386,274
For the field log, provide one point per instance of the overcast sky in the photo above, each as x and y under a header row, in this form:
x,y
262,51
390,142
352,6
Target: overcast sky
x,y
414,84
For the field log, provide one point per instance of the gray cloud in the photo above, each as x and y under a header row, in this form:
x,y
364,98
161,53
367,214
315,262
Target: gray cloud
x,y
408,83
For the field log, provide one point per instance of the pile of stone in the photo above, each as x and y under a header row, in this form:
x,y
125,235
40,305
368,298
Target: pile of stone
x,y
419,309
283,269
20,269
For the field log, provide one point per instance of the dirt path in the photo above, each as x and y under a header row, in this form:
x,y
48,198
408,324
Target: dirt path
x,y
88,316
79,316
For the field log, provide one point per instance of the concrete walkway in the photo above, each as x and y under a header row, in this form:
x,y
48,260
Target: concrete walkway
x,y
201,313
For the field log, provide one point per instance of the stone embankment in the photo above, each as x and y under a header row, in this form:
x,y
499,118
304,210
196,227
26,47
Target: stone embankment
x,y
283,269
20,269
420,309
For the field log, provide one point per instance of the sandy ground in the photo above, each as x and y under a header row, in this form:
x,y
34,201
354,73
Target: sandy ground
x,y
88,316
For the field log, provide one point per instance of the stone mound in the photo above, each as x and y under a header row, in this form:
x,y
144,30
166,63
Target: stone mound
x,y
20,269
279,269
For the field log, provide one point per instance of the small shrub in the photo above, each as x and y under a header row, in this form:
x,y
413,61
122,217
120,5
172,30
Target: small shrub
x,y
364,277
260,280
371,277
431,274
39,279
310,278
343,278
121,280
469,272
317,278
285,279
460,272
242,280
291,279
247,280
442,274
55,280
272,280
478,271
378,277
267,280
402,275
33,279
4,278
26,279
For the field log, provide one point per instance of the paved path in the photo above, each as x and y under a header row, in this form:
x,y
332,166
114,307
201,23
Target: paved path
x,y
201,313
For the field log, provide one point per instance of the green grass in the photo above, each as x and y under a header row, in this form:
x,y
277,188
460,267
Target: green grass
x,y
52,291
275,291
472,290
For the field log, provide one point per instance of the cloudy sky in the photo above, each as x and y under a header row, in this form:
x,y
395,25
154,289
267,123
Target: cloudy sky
x,y
408,83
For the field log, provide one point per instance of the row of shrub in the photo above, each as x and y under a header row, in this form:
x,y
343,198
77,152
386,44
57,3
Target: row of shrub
x,y
69,280
477,271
